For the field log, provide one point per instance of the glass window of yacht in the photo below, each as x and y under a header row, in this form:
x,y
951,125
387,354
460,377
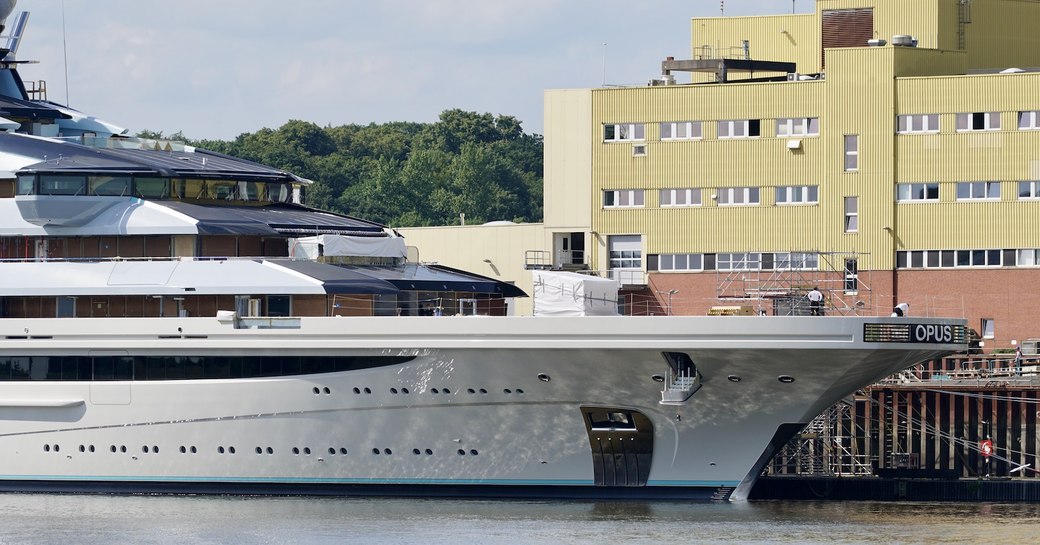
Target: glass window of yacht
x,y
152,188
1029,121
117,186
62,185
27,185
224,190
1029,190
250,191
278,192
971,191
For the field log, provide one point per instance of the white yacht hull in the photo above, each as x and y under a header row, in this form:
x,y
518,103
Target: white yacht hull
x,y
510,416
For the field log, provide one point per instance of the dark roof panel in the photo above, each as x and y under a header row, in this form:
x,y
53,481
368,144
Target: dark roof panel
x,y
338,279
272,219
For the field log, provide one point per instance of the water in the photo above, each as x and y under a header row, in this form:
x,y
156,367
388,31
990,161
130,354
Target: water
x,y
88,519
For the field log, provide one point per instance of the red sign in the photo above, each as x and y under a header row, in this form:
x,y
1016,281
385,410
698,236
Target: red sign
x,y
986,446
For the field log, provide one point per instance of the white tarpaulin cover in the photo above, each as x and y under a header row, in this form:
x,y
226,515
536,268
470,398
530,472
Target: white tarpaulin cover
x,y
339,245
558,293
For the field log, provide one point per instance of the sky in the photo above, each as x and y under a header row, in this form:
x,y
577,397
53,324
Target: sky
x,y
214,69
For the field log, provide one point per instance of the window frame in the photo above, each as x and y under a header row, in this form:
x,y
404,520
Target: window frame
x,y
1029,120
633,195
747,126
797,127
692,196
978,121
808,195
672,259
905,124
971,188
917,192
851,162
750,196
851,214
1033,191
630,132
689,126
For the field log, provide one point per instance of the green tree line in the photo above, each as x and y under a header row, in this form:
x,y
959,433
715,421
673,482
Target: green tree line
x,y
405,174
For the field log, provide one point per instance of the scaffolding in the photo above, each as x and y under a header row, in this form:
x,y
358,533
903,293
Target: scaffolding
x,y
823,448
781,281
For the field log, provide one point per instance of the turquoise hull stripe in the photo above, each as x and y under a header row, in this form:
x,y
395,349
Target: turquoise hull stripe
x,y
693,483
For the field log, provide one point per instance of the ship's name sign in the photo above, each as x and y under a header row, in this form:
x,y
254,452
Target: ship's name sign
x,y
914,333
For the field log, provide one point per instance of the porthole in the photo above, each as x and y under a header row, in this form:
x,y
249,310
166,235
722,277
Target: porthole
x,y
259,450
122,448
296,450
231,450
327,390
387,451
375,451
733,378
357,390
220,450
473,452
91,448
144,449
315,390
483,391
193,449
657,378
46,448
307,451
393,390
416,451
368,390
332,451
56,448
429,452
434,391
155,449
520,391
543,377
113,447
270,450
786,379
343,451
183,450
82,448
506,391
461,452
404,390
447,391
471,391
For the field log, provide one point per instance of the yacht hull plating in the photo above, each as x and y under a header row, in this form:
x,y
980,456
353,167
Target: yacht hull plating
x,y
451,406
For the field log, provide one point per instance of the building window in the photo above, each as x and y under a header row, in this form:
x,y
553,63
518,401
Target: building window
x,y
1028,257
740,128
624,132
970,191
1029,121
750,261
917,192
1029,190
797,194
919,123
680,197
796,261
681,130
851,152
925,259
851,214
680,262
978,121
798,126
622,198
978,258
737,196
639,150
988,328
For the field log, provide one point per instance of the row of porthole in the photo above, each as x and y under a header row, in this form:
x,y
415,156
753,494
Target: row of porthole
x,y
259,450
786,379
405,391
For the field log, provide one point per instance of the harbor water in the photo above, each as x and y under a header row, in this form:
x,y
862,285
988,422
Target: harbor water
x,y
97,519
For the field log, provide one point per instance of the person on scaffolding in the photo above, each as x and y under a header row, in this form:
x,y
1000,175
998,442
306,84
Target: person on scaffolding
x,y
815,302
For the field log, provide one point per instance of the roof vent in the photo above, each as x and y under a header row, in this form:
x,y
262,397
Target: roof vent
x,y
877,42
904,40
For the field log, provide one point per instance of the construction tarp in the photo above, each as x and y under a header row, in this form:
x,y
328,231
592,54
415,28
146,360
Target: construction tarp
x,y
337,245
558,293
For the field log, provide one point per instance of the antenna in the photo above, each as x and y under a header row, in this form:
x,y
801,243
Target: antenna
x,y
604,83
722,7
65,53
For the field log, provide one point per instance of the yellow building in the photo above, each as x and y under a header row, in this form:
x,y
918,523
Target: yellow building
x,y
884,151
